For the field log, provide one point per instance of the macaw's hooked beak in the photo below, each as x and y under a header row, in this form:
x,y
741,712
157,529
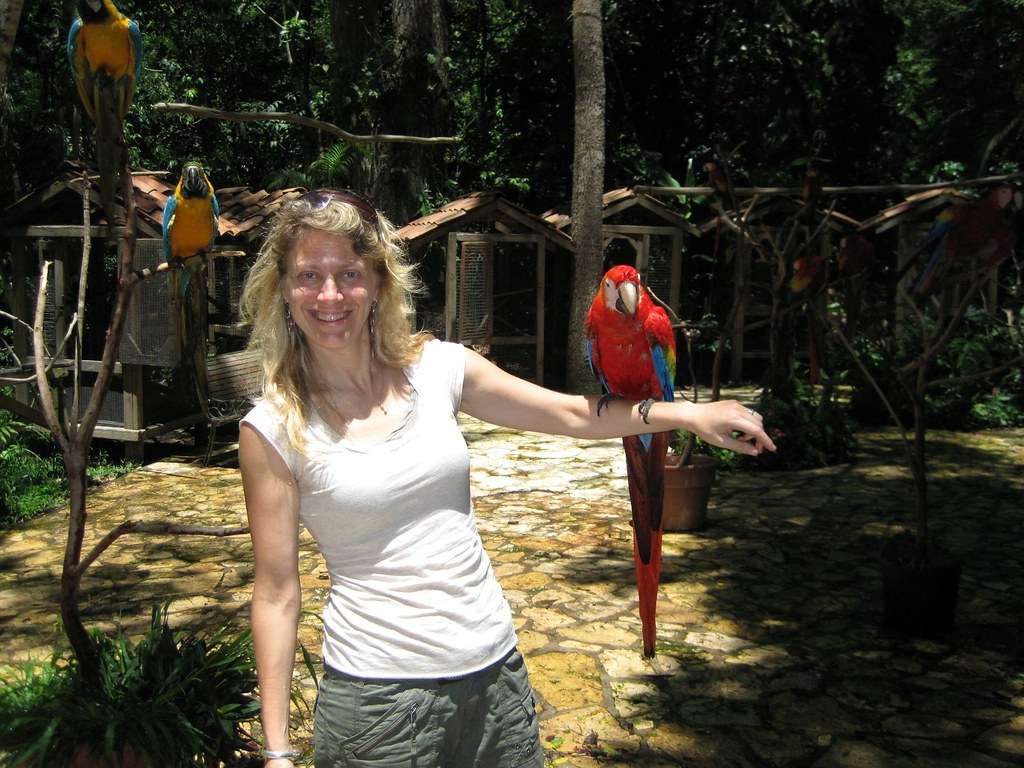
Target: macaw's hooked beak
x,y
194,184
629,297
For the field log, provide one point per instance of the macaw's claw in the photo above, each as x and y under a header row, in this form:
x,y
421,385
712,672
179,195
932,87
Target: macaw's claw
x,y
606,398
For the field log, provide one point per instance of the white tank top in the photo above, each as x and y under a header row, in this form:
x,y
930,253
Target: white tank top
x,y
413,594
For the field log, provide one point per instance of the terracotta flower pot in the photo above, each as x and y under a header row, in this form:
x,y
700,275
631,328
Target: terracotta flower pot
x,y
686,492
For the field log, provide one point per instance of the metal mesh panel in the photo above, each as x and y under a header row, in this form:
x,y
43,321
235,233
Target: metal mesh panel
x,y
659,269
151,328
475,306
228,275
51,310
112,412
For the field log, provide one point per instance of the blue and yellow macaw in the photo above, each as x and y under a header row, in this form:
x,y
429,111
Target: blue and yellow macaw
x,y
632,351
105,52
190,227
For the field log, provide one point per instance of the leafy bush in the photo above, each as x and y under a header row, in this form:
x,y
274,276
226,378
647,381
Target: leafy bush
x,y
984,342
176,700
809,430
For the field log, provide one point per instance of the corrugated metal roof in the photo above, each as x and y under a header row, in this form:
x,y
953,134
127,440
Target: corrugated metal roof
x,y
478,206
913,205
242,210
625,195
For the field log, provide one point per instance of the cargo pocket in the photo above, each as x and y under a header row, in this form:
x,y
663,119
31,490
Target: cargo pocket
x,y
389,741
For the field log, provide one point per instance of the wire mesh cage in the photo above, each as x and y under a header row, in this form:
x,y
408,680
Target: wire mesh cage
x,y
112,412
151,332
225,287
659,268
474,316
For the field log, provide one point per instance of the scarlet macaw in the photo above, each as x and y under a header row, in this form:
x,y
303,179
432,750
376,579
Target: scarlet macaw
x,y
190,226
632,351
104,49
968,238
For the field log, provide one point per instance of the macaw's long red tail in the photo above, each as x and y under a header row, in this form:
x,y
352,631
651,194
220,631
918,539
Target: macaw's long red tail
x,y
645,473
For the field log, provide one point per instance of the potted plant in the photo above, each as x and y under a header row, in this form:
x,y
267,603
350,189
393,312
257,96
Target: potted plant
x,y
689,470
920,577
170,699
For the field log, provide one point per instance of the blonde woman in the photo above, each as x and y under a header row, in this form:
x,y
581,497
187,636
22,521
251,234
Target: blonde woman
x,y
355,438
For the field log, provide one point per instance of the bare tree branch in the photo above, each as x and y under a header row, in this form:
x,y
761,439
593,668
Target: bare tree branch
x,y
83,282
140,526
16,319
840,191
975,376
52,359
308,122
45,392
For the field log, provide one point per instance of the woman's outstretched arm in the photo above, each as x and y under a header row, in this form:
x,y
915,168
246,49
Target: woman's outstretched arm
x,y
490,394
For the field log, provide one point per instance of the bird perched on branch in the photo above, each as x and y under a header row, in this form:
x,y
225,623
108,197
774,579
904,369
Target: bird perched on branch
x,y
104,49
631,349
968,239
190,227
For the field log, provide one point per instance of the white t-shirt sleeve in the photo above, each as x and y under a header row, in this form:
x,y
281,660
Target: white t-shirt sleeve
x,y
442,364
265,420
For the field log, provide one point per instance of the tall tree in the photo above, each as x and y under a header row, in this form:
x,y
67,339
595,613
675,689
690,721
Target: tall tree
x,y
587,181
10,15
393,63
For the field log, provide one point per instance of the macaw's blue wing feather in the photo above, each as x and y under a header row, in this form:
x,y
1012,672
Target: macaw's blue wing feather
x,y
595,367
76,27
136,35
662,368
168,223
214,220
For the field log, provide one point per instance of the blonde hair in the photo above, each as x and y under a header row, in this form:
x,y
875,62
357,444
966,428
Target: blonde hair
x,y
287,361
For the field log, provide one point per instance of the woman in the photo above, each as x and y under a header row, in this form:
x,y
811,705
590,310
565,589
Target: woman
x,y
356,437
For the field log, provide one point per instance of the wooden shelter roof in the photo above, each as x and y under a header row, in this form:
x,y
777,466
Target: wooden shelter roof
x,y
242,211
616,201
480,207
913,206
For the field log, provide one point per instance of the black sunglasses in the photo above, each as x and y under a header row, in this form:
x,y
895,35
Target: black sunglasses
x,y
317,199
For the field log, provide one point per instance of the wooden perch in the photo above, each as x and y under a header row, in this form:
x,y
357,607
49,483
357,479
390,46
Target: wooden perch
x,y
308,122
883,189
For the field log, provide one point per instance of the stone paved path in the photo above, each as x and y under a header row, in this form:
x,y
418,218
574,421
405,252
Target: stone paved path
x,y
769,652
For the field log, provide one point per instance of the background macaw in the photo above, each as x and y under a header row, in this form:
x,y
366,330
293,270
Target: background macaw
x,y
105,52
805,271
632,351
970,237
190,227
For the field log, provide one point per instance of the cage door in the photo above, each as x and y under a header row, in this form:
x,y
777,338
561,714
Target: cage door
x,y
474,319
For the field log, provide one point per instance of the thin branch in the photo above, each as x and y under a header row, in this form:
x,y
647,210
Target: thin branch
x,y
83,282
45,392
951,327
883,189
307,122
140,526
976,376
871,380
16,319
10,350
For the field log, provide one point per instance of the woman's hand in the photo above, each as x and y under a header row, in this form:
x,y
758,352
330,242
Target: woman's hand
x,y
730,424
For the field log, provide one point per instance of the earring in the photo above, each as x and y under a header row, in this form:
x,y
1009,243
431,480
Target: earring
x,y
372,321
288,319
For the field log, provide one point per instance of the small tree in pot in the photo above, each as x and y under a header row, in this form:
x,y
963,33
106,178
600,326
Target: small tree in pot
x,y
921,579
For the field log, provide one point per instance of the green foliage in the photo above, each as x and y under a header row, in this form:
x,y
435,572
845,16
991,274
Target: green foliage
x,y
727,460
177,699
984,342
809,430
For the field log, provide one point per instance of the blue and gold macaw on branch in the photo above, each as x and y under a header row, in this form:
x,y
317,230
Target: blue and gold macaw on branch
x,y
105,52
190,227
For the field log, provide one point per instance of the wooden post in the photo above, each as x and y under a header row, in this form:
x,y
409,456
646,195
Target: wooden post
x,y
541,264
740,272
450,295
676,283
19,306
131,385
645,256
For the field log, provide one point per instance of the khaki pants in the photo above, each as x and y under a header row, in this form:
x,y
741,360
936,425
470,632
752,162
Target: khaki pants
x,y
482,720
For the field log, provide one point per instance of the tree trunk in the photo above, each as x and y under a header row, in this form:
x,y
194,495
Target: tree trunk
x,y
587,182
81,644
409,60
10,16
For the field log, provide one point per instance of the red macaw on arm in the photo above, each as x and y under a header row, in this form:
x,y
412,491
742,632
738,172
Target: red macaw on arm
x,y
632,351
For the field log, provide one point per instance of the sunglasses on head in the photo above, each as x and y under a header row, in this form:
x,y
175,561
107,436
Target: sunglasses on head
x,y
317,199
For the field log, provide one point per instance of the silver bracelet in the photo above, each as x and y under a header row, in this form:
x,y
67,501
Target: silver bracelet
x,y
274,754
